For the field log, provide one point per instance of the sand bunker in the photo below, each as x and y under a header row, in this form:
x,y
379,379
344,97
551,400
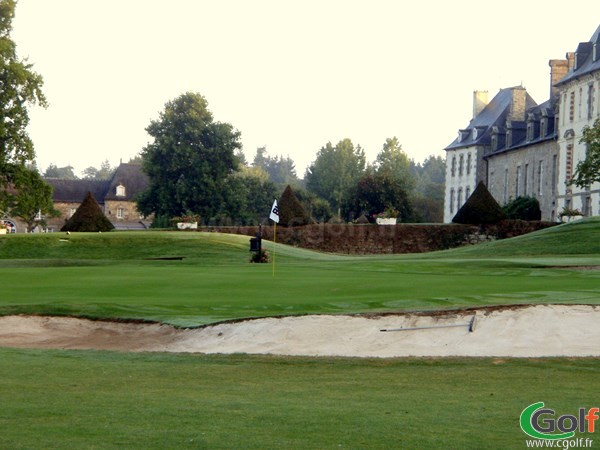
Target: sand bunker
x,y
519,331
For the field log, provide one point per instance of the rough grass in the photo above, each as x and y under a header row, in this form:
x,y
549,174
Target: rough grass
x,y
69,399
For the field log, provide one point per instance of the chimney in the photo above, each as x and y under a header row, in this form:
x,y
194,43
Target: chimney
x,y
480,101
558,70
571,58
517,104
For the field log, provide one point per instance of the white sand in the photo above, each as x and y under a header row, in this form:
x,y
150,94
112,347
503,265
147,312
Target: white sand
x,y
528,331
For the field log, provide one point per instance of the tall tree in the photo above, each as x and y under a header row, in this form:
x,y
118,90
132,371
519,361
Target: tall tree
x,y
33,199
428,196
20,87
588,170
63,173
335,172
189,160
377,192
103,173
281,170
393,162
249,195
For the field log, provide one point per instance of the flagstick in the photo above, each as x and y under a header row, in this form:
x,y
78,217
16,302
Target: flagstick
x,y
274,244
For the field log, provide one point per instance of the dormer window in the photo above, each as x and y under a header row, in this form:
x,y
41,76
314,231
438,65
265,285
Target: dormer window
x,y
475,133
460,135
530,131
120,191
543,127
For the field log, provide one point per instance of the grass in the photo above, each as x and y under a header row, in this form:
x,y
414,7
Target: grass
x,y
60,399
109,275
87,399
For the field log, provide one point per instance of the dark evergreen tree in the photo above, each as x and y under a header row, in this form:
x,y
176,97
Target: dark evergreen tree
x,y
88,217
480,208
291,211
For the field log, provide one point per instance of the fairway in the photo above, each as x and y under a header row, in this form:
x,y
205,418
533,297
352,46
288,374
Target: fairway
x,y
112,276
98,399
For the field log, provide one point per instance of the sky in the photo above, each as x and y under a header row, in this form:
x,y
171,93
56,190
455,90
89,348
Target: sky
x,y
289,75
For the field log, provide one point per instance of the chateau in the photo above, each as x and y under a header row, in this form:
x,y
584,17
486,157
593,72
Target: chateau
x,y
519,148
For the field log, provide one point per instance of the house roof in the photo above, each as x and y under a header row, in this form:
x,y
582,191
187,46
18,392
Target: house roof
x,y
494,114
132,178
586,64
128,175
74,191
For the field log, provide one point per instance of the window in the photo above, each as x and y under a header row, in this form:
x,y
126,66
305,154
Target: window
x,y
554,174
505,194
539,177
587,206
453,167
468,164
451,200
579,103
460,165
525,184
475,133
543,127
569,163
518,181
120,213
494,142
572,107
467,193
590,100
459,199
530,131
120,191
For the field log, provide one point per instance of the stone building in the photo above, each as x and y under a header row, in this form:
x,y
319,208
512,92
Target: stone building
x,y
116,197
519,148
579,107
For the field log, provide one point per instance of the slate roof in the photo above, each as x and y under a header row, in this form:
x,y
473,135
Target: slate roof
x,y
73,191
494,114
130,176
587,65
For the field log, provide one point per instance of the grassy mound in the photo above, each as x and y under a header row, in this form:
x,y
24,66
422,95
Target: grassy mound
x,y
581,237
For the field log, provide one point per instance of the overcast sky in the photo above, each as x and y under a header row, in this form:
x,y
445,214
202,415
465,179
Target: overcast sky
x,y
288,75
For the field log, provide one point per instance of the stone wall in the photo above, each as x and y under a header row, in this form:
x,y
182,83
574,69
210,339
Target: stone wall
x,y
381,239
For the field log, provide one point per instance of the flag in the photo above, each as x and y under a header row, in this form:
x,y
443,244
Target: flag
x,y
274,212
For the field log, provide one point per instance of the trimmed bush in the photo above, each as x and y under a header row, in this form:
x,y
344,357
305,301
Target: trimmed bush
x,y
523,208
480,208
88,217
291,211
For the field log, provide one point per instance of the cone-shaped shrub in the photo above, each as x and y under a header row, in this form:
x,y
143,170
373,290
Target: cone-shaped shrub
x,y
291,211
88,217
480,208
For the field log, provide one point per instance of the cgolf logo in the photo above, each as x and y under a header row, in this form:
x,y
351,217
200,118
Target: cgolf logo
x,y
541,423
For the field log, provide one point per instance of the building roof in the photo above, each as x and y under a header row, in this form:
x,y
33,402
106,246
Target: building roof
x,y
74,191
129,175
494,114
584,59
132,178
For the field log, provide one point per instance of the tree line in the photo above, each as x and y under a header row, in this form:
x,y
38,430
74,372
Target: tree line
x,y
196,166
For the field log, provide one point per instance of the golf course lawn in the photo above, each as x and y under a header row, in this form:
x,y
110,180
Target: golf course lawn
x,y
93,399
